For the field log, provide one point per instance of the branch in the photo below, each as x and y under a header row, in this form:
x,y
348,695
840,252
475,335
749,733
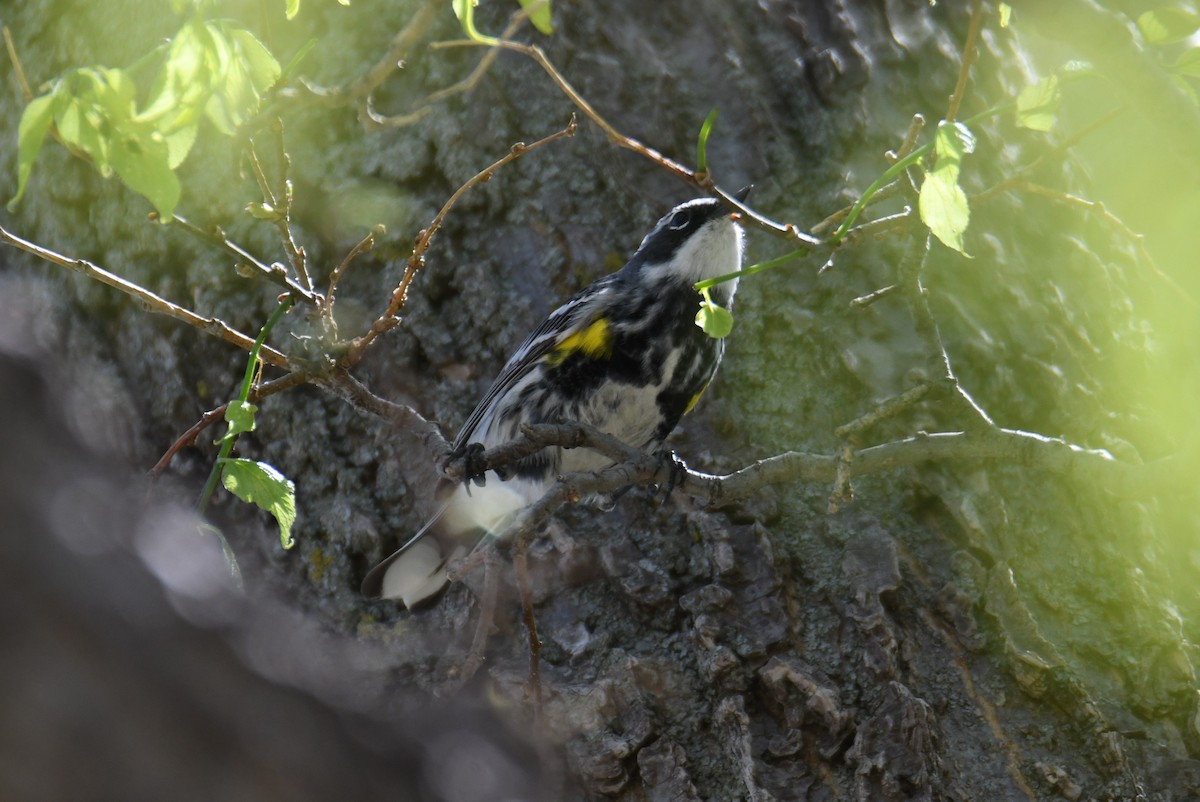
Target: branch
x,y
389,320
787,231
392,60
275,273
344,386
1011,447
968,58
150,302
213,415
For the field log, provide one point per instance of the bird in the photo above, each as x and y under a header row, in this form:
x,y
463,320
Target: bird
x,y
625,355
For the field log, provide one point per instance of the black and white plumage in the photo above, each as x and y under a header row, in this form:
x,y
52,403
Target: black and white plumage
x,y
624,355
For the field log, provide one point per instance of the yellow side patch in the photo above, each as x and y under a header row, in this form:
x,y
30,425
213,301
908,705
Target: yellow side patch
x,y
595,342
695,399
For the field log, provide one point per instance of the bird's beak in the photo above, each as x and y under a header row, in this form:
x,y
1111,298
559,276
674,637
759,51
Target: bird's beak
x,y
743,193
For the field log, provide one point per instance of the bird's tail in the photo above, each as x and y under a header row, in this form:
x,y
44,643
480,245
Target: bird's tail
x,y
416,572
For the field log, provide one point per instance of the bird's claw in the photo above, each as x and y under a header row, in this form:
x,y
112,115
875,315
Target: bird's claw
x,y
677,471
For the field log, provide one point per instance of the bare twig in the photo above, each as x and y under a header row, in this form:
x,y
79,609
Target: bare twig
x,y
894,188
872,297
275,273
364,246
910,139
888,409
968,58
424,106
342,384
487,614
402,43
281,201
26,91
149,301
1117,224
1057,152
389,320
788,231
257,393
521,567
1010,446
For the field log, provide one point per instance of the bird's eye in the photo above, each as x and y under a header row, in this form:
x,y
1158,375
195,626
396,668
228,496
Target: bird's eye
x,y
680,219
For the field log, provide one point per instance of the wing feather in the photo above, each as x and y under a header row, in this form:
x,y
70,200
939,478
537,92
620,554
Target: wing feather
x,y
573,316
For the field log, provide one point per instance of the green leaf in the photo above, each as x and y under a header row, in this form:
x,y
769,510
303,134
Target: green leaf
x,y
141,158
540,16
943,207
260,484
1188,63
942,202
304,50
953,141
31,132
1037,104
1005,14
293,8
702,141
262,67
240,417
1167,24
716,321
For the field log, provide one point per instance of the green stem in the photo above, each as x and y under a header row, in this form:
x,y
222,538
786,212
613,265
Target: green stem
x,y
752,269
243,395
901,166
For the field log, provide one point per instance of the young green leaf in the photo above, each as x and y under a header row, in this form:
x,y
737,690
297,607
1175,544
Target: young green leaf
x,y
1168,24
1037,104
1005,14
715,320
292,9
1188,63
240,417
540,16
941,201
142,160
702,142
943,206
259,483
31,132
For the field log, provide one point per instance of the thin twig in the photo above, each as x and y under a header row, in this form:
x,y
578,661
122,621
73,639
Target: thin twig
x,y
257,393
487,614
389,320
149,301
894,188
343,385
424,106
26,91
364,246
392,60
275,273
872,297
1058,152
521,567
910,139
788,231
968,58
1102,211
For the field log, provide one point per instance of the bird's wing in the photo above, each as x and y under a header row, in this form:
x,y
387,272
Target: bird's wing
x,y
573,316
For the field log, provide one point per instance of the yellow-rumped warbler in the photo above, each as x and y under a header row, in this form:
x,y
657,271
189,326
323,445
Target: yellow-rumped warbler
x,y
624,355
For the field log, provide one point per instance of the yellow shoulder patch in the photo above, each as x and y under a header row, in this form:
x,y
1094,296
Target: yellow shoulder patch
x,y
595,342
